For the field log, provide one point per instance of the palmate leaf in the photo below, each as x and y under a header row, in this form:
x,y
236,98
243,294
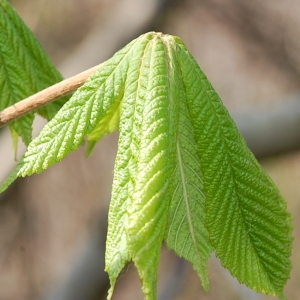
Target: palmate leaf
x,y
183,173
25,69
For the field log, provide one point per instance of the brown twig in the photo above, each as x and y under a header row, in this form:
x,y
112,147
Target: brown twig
x,y
45,96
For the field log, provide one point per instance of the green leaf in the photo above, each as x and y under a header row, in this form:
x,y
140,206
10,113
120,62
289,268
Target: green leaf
x,y
139,207
117,248
246,215
25,69
186,232
183,172
108,124
155,162
77,118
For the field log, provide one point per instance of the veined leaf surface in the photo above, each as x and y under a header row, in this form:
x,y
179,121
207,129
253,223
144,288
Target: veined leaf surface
x,y
155,161
117,245
245,213
186,233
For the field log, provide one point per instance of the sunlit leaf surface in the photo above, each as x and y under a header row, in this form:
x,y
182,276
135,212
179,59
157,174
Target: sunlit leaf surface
x,y
183,173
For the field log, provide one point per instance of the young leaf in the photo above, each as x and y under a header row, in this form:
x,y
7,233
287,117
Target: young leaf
x,y
117,246
146,161
77,118
25,69
107,125
183,173
246,215
186,233
157,130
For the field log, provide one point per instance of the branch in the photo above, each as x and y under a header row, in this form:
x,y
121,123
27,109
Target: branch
x,y
45,96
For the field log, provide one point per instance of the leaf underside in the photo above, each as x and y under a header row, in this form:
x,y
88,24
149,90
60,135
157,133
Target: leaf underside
x,y
25,69
183,174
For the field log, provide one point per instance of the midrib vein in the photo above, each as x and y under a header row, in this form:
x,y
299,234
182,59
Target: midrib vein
x,y
185,196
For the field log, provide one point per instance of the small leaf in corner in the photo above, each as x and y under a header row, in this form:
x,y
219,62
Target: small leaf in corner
x,y
25,69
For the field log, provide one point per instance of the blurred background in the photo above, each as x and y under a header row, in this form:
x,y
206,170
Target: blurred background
x,y
53,226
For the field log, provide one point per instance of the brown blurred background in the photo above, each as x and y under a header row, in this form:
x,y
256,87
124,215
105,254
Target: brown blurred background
x,y
52,226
